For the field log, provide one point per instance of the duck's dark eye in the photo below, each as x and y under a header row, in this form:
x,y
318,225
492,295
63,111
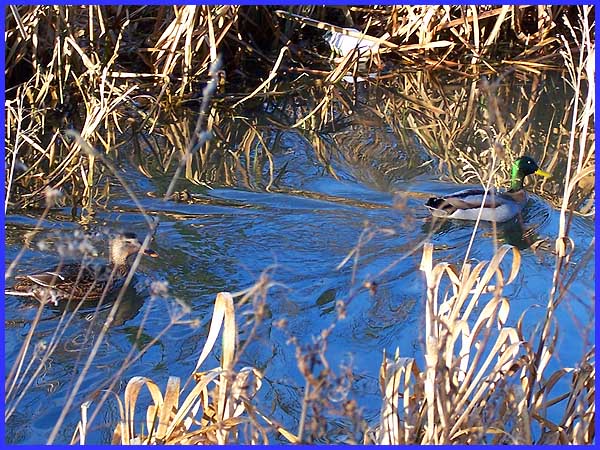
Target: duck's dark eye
x,y
129,236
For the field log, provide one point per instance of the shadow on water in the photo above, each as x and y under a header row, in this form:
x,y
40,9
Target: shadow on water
x,y
128,307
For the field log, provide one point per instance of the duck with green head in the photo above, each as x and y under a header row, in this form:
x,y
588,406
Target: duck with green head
x,y
498,207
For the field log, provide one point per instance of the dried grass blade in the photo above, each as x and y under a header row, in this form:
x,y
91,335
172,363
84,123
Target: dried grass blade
x,y
390,375
277,427
192,401
132,391
213,333
170,404
264,84
496,30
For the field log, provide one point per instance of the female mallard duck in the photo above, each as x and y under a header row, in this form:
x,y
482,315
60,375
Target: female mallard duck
x,y
81,281
498,207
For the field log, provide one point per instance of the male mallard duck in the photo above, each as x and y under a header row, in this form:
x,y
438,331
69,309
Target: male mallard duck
x,y
498,207
81,281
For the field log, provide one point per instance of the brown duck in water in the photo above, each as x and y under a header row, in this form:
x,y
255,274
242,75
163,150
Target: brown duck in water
x,y
81,281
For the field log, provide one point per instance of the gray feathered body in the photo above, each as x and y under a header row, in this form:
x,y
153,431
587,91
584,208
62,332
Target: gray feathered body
x,y
466,205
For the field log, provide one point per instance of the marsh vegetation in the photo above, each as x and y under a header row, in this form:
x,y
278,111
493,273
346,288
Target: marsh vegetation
x,y
279,160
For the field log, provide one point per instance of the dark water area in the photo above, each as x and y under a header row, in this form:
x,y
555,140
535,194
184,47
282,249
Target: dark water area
x,y
299,233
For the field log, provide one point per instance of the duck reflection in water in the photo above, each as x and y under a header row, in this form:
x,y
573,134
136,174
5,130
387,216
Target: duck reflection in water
x,y
513,232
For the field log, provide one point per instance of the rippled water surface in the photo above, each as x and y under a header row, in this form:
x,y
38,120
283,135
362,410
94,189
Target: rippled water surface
x,y
299,234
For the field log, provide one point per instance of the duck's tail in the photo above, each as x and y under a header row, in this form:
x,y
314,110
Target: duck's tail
x,y
439,207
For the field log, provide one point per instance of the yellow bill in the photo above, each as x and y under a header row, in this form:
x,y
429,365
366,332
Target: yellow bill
x,y
542,173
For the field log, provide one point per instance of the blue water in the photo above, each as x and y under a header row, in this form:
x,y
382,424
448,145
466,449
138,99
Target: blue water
x,y
299,235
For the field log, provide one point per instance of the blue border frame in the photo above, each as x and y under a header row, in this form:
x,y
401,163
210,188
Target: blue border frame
x,y
325,3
